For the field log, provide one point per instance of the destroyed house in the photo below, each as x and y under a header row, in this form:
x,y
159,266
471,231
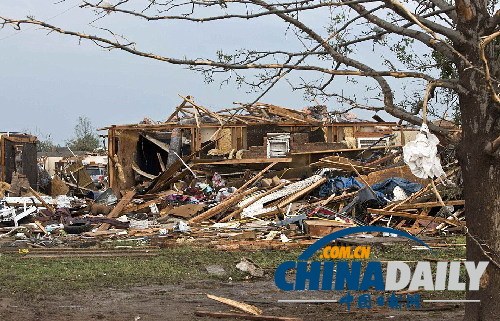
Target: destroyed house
x,y
251,135
18,159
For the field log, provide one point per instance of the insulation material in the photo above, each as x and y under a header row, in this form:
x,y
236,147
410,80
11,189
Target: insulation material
x,y
224,142
349,137
4,187
421,155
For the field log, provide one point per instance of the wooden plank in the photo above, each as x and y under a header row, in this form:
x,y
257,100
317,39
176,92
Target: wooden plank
x,y
340,159
256,118
301,193
236,304
111,151
160,161
372,134
3,170
176,110
40,226
117,210
343,150
284,113
400,171
197,117
255,178
344,166
38,197
196,106
424,212
141,172
227,315
320,228
23,139
289,113
243,161
429,204
186,211
159,181
415,216
157,142
171,125
363,180
223,206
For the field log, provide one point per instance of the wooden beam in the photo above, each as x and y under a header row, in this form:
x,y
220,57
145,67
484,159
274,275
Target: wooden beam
x,y
242,161
160,161
117,210
301,193
159,181
415,216
40,226
255,178
223,206
188,99
197,117
38,197
141,172
236,304
157,142
328,163
343,150
177,110
429,204
111,151
289,113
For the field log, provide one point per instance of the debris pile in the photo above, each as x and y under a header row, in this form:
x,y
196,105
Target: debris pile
x,y
193,189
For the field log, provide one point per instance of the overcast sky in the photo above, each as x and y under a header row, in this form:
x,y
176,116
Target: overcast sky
x,y
47,81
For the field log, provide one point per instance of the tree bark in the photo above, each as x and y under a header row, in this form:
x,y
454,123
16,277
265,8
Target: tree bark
x,y
481,178
480,170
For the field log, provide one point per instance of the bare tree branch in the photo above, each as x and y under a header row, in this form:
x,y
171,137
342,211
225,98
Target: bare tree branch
x,y
228,16
443,5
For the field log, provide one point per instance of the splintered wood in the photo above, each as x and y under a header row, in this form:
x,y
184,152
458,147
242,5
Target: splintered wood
x,y
117,210
239,305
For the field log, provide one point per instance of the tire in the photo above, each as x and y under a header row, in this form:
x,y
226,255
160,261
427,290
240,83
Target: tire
x,y
77,227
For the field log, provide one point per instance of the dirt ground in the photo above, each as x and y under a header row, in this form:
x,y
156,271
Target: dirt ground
x,y
178,302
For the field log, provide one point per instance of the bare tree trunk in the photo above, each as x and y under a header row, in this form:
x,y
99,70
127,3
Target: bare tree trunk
x,y
481,174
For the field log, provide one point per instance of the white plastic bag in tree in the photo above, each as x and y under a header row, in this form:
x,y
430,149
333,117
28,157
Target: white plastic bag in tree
x,y
421,155
106,4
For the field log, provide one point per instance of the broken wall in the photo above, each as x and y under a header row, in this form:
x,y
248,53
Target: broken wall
x,y
124,147
18,153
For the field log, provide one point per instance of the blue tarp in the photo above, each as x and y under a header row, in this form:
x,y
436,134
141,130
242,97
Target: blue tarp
x,y
337,183
383,189
386,187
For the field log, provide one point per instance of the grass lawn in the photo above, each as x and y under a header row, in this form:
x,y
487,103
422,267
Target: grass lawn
x,y
37,276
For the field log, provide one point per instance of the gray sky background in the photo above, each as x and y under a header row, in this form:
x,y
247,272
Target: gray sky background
x,y
47,81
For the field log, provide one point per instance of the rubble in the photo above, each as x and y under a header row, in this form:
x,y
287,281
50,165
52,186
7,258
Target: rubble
x,y
205,184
